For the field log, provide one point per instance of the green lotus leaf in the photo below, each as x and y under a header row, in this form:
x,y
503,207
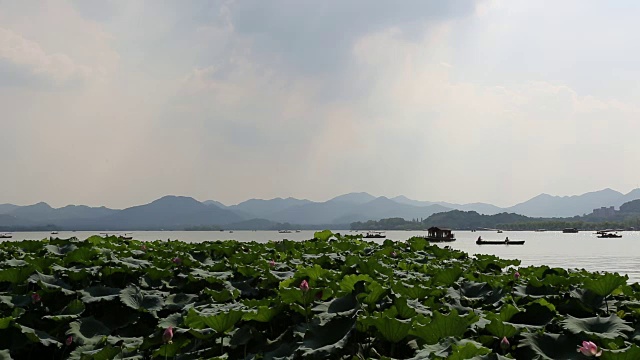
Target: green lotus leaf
x,y
262,313
442,326
179,300
547,346
138,299
221,322
99,293
313,273
228,293
392,329
324,341
605,284
448,276
404,310
630,353
88,331
89,352
417,291
348,282
81,255
323,235
5,355
18,301
211,277
174,320
373,292
501,329
39,336
60,250
51,282
468,350
603,327
155,273
5,322
71,311
17,275
173,349
507,311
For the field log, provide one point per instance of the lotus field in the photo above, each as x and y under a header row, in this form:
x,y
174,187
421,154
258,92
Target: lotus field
x,y
332,297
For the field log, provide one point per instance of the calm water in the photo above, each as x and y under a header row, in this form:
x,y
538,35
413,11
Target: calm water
x,y
553,248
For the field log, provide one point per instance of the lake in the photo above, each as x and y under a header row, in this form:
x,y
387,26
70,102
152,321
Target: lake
x,y
553,248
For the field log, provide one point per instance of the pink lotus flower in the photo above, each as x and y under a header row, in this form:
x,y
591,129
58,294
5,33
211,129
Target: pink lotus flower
x,y
167,336
393,254
35,297
516,275
143,247
589,349
177,260
69,341
504,344
304,286
272,263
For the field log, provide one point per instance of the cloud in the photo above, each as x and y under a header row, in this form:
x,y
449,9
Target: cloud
x,y
22,52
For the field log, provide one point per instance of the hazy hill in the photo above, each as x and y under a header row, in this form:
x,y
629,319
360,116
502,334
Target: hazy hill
x,y
169,212
354,198
5,208
258,208
216,203
382,208
545,205
481,208
42,213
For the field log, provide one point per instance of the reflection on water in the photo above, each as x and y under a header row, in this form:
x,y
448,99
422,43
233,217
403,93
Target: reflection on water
x,y
552,248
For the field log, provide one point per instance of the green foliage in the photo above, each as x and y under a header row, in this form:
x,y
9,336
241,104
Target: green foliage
x,y
224,301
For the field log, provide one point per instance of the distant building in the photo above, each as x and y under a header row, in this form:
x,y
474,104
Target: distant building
x,y
604,212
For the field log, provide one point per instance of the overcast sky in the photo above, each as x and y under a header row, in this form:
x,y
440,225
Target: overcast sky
x,y
118,103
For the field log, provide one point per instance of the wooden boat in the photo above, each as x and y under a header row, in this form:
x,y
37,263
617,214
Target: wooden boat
x,y
570,231
285,231
609,235
6,236
436,234
54,233
375,235
500,242
126,236
499,231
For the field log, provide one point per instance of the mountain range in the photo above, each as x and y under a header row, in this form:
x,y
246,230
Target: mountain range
x,y
179,212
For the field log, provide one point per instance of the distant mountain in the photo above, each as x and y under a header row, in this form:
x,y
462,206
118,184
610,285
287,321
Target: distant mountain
x,y
170,213
348,209
258,208
178,212
481,208
545,205
42,213
216,203
354,198
5,208
383,207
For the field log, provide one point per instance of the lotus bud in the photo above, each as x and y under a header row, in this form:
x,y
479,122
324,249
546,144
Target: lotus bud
x,y
35,297
589,349
272,263
167,336
177,260
304,286
393,254
504,344
69,341
516,275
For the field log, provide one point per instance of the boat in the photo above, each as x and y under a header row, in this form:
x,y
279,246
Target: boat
x,y
297,230
499,231
499,242
230,231
540,230
126,236
436,234
285,231
6,236
375,235
570,230
54,233
608,235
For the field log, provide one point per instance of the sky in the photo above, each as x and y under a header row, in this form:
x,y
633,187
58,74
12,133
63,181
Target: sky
x,y
118,103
